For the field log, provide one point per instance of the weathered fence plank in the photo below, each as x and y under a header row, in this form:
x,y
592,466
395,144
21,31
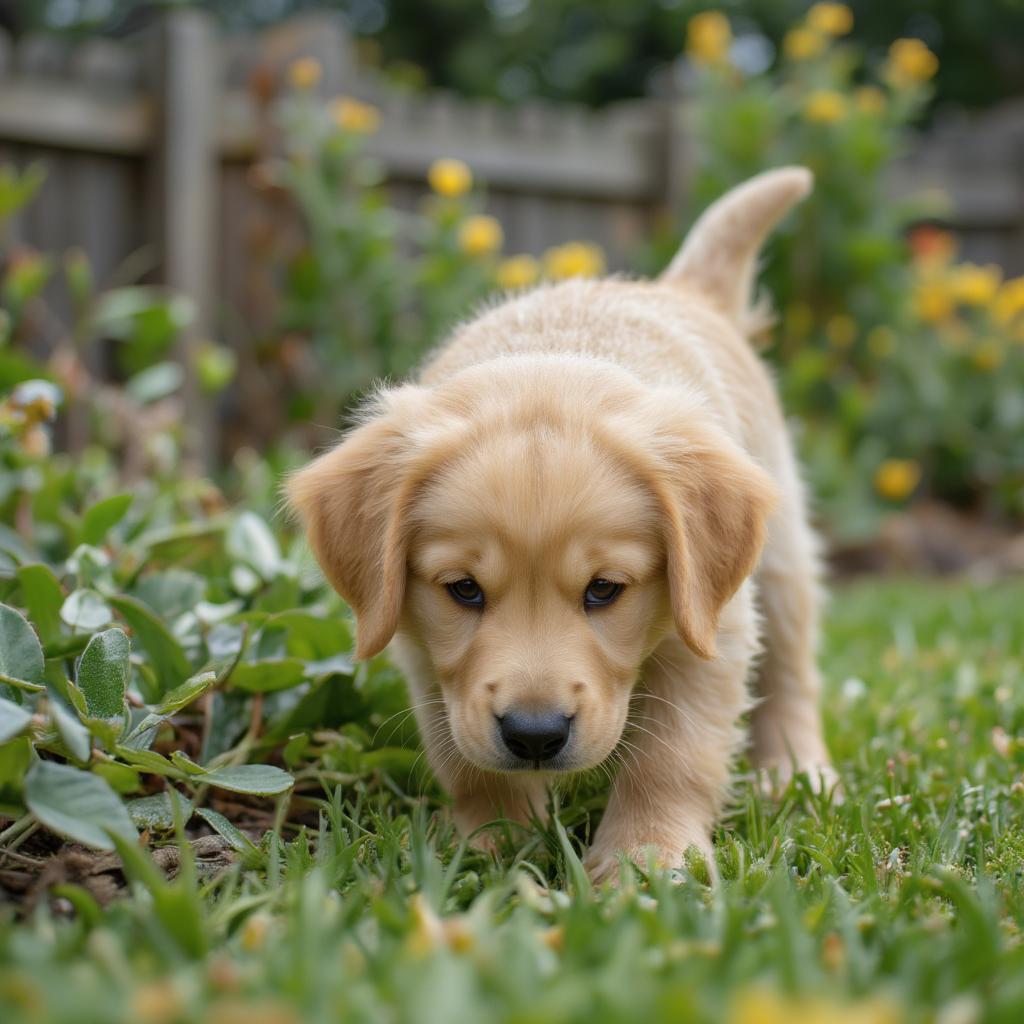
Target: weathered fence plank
x,y
149,143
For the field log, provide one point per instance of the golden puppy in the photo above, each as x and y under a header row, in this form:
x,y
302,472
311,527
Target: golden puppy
x,y
581,531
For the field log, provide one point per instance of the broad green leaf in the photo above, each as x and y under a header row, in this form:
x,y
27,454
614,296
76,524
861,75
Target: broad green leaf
x,y
157,812
171,592
77,804
182,696
43,599
268,676
21,656
103,673
86,610
250,541
122,777
258,779
103,516
165,654
14,719
71,731
155,382
238,840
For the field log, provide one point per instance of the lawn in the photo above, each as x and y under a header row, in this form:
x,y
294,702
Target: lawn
x,y
903,903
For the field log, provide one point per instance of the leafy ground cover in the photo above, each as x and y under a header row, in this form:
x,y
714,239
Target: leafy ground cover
x,y
348,897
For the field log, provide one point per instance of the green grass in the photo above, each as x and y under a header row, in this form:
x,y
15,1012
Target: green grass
x,y
905,902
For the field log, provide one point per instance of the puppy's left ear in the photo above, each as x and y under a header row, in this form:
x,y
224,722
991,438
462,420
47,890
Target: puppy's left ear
x,y
716,503
354,502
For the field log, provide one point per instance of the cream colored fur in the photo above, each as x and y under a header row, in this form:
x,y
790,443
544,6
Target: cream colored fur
x,y
612,429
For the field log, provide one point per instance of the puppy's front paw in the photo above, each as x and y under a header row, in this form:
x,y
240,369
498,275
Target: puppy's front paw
x,y
603,861
776,776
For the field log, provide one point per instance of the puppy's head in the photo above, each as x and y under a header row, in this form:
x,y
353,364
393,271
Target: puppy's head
x,y
537,526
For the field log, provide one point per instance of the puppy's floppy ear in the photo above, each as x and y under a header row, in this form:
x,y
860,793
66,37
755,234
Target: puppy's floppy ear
x,y
354,500
715,501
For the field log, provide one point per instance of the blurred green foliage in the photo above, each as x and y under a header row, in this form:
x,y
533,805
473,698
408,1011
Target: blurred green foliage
x,y
902,369
596,51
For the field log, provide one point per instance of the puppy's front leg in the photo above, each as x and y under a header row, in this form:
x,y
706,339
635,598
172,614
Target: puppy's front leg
x,y
478,796
676,759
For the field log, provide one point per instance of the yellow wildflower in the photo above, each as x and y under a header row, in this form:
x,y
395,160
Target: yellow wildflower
x,y
35,442
910,63
305,73
763,1006
480,235
517,272
895,479
932,301
869,99
825,106
830,19
841,330
156,1002
708,37
976,286
802,44
988,356
881,341
1009,302
255,931
354,116
450,178
574,259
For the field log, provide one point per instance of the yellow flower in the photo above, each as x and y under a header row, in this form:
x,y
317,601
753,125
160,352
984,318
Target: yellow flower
x,y
869,99
450,178
708,37
910,62
881,341
480,235
574,259
763,1006
255,931
354,116
988,356
1009,302
895,479
830,19
841,330
976,286
517,272
825,106
156,1002
802,44
305,73
932,301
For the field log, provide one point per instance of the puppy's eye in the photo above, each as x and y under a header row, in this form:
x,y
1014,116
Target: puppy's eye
x,y
600,592
467,592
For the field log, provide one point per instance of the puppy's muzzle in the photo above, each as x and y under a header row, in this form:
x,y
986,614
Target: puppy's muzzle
x,y
535,737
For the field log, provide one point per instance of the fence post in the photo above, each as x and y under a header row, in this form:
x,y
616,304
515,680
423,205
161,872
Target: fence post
x,y
187,92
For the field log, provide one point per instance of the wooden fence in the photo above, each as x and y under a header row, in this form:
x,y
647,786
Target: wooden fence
x,y
148,140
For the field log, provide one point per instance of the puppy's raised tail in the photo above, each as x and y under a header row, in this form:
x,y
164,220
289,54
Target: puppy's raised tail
x,y
719,256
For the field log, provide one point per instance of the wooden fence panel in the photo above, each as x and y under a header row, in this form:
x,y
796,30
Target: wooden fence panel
x,y
108,126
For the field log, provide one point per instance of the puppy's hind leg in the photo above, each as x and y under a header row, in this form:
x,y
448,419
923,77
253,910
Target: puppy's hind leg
x,y
786,725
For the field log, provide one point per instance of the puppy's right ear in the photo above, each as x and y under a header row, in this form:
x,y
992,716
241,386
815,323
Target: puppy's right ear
x,y
354,502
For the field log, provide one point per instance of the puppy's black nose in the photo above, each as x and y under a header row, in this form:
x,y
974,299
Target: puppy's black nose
x,y
534,737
